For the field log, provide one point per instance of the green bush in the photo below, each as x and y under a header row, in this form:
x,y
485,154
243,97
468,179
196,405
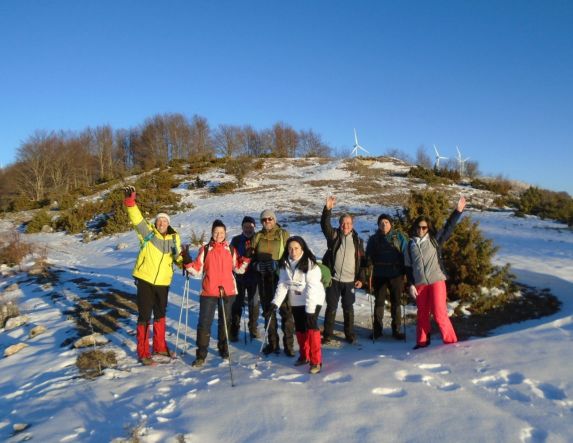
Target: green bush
x,y
546,204
498,186
224,188
40,219
434,176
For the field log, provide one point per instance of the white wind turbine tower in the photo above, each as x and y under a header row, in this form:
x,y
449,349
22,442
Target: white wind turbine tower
x,y
461,161
357,147
438,157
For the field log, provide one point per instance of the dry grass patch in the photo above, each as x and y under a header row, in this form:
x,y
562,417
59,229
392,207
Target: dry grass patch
x,y
92,363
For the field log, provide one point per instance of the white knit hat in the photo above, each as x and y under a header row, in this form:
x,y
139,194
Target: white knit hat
x,y
162,215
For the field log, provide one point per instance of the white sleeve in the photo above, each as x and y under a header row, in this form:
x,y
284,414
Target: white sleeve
x,y
282,287
314,289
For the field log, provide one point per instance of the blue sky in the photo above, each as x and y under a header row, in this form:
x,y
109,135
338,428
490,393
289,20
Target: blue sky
x,y
494,77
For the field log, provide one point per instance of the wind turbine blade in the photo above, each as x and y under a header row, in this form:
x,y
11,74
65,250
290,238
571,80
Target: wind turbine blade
x,y
437,153
355,138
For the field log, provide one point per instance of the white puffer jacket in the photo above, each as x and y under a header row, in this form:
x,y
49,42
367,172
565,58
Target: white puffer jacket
x,y
303,289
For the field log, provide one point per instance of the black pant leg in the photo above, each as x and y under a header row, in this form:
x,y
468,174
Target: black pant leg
x,y
396,288
145,301
207,307
161,293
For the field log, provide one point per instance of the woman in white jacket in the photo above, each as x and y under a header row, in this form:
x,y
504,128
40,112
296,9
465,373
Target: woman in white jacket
x,y
300,279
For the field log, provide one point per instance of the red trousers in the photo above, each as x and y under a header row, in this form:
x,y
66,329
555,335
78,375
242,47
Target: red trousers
x,y
432,300
309,345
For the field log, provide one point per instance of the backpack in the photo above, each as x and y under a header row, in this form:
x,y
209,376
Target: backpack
x,y
326,276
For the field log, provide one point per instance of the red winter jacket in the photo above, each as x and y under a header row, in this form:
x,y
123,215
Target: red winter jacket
x,y
220,262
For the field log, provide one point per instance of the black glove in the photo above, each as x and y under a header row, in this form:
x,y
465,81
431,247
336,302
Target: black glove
x,y
311,322
128,190
249,253
186,255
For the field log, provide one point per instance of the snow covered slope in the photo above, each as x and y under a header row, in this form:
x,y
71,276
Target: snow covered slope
x,y
516,386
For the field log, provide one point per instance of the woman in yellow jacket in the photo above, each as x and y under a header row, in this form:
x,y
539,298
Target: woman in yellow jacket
x,y
160,248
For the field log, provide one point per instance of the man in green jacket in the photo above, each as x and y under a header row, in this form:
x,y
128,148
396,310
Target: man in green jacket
x,y
160,248
268,247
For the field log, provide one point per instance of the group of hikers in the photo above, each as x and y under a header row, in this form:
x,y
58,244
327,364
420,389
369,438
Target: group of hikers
x,y
279,271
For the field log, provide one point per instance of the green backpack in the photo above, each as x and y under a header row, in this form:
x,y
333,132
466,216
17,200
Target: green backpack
x,y
326,276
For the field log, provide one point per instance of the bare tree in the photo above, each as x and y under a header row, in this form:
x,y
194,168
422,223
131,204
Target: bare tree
x,y
34,157
422,158
285,140
472,169
255,143
201,144
310,144
228,140
101,147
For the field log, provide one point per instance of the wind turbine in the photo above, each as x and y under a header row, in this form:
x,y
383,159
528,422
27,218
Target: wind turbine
x,y
438,157
357,147
461,162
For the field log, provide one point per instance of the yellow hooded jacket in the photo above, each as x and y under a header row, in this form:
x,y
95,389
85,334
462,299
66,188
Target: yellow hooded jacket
x,y
157,252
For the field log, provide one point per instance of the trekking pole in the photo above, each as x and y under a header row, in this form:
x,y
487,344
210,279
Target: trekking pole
x,y
245,320
221,295
266,333
371,317
183,303
371,308
405,299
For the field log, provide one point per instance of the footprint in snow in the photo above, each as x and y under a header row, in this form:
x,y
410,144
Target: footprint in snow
x,y
405,376
168,409
291,377
436,368
546,390
533,435
390,392
337,377
366,363
448,387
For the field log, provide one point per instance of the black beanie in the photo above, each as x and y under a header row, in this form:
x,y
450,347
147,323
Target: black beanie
x,y
218,224
248,219
385,217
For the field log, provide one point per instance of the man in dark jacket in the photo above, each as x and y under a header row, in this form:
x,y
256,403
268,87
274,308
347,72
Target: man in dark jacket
x,y
385,254
246,283
345,258
268,247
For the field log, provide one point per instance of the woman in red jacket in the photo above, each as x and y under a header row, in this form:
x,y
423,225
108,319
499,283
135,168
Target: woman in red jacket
x,y
216,261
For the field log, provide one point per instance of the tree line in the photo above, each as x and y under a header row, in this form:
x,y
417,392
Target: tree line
x,y
52,164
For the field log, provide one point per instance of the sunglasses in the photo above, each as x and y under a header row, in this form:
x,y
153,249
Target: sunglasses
x,y
268,219
423,228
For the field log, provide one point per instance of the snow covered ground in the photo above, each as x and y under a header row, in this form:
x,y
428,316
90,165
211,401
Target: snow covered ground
x,y
515,386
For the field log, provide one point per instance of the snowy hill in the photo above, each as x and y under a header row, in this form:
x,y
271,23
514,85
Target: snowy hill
x,y
515,386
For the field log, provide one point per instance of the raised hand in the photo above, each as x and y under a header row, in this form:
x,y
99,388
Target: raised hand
x,y
461,204
330,202
128,190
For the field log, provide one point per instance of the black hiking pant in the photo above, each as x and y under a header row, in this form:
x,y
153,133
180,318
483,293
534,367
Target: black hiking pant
x,y
268,282
151,298
391,288
250,290
207,307
345,293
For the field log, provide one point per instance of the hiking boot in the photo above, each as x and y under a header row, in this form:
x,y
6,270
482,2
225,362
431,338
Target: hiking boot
x,y
301,361
269,349
315,369
375,335
289,352
421,345
254,334
224,354
165,354
326,339
398,335
147,361
198,362
351,338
